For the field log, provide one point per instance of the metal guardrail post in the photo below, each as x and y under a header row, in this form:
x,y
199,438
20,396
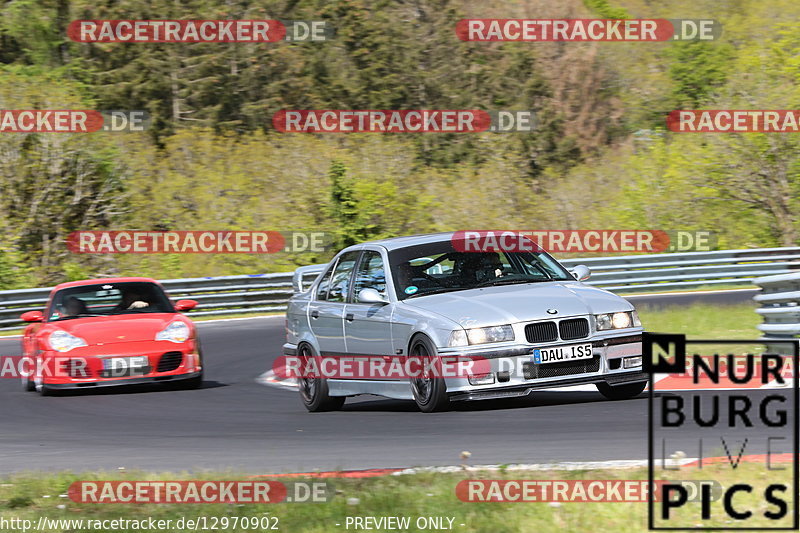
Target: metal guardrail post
x,y
780,308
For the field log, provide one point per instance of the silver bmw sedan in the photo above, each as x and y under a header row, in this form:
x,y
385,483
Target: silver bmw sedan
x,y
476,324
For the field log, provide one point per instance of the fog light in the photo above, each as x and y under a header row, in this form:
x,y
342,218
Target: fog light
x,y
482,379
632,362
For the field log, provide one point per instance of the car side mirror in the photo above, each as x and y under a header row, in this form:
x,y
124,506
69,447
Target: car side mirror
x,y
581,272
32,316
371,296
185,305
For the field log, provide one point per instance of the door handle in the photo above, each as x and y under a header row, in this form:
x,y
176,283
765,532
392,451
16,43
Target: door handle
x,y
349,317
314,314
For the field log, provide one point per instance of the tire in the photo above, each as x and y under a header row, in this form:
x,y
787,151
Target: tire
x,y
193,383
622,392
44,390
197,381
430,393
314,391
27,383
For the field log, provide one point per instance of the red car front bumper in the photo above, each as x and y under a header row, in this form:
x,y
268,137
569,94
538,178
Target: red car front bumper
x,y
99,365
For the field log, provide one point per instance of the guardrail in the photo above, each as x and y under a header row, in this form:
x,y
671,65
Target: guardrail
x,y
220,296
780,308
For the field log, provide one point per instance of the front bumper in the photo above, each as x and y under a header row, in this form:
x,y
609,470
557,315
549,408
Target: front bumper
x,y
515,374
87,366
621,378
126,381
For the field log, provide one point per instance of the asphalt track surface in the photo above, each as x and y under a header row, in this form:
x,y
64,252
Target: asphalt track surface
x,y
234,423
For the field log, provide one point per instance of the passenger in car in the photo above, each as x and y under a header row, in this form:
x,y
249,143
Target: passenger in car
x,y
132,300
75,306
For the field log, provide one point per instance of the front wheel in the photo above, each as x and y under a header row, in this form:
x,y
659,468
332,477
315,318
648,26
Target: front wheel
x,y
314,391
44,390
193,383
621,392
430,391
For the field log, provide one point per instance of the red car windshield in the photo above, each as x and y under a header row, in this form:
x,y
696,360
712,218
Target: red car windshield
x,y
105,299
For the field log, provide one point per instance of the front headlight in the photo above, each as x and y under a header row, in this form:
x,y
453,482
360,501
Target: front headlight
x,y
621,320
61,341
482,335
458,338
176,332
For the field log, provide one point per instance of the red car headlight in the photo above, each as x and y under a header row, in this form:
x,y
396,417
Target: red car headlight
x,y
61,341
176,331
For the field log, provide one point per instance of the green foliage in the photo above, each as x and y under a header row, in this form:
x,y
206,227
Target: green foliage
x,y
604,9
14,272
599,158
37,30
697,69
343,207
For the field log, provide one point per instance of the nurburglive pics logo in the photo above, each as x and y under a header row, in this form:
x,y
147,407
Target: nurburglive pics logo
x,y
739,420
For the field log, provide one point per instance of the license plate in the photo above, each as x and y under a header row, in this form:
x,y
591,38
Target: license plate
x,y
114,367
560,354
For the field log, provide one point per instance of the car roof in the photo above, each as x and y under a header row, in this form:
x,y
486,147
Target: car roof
x,y
101,280
395,243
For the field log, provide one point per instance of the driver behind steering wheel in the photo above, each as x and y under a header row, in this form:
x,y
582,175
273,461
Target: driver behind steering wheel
x,y
491,266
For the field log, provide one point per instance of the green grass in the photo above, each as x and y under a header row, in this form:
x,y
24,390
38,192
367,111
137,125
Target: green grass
x,y
703,321
746,284
29,496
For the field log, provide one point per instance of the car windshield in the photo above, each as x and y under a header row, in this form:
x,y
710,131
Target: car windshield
x,y
105,299
439,267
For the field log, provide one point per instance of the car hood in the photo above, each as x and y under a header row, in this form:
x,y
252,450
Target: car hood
x,y
507,304
118,328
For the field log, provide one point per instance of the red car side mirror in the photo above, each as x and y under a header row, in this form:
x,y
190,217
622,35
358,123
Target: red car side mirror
x,y
185,305
32,316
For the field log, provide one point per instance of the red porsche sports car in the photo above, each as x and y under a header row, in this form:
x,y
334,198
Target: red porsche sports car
x,y
103,332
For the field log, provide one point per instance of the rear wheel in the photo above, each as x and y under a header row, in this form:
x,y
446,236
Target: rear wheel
x,y
430,391
621,392
314,391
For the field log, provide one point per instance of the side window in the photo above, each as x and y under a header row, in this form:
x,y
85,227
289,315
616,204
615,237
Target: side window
x,y
340,280
324,284
370,274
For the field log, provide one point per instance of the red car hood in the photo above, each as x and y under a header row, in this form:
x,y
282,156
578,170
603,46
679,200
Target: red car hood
x,y
118,328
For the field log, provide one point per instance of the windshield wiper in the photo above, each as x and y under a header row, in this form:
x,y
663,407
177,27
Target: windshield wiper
x,y
501,281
